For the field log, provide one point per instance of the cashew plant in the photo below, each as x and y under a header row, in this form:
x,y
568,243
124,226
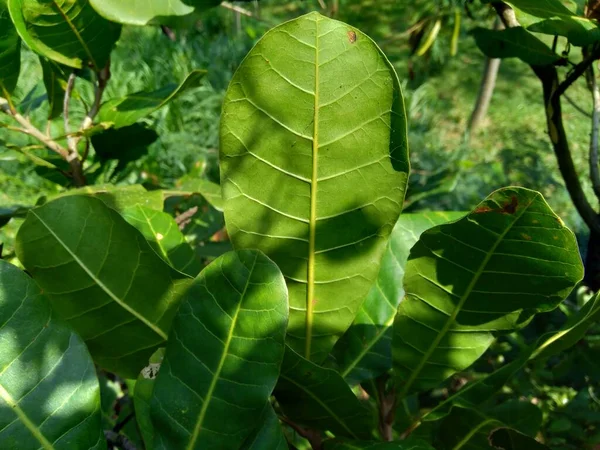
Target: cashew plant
x,y
332,313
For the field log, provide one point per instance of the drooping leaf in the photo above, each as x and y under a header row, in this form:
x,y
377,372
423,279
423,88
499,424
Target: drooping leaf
x,y
142,395
314,167
578,30
365,350
69,32
125,111
507,439
144,12
163,235
49,392
491,271
10,52
55,82
223,355
514,42
102,277
121,198
544,9
406,444
268,435
319,398
209,190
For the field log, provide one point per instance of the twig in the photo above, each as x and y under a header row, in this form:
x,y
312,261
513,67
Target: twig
x,y
387,409
576,106
103,75
578,70
118,440
322,4
71,143
312,436
593,159
185,217
237,9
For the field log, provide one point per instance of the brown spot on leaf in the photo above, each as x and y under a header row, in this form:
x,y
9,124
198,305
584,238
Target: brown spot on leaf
x,y
482,209
351,37
510,207
526,236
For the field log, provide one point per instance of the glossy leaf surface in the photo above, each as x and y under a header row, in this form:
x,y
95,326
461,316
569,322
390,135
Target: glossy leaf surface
x,y
319,398
365,350
103,278
514,42
163,235
314,167
49,393
223,355
10,52
125,111
490,271
147,12
69,32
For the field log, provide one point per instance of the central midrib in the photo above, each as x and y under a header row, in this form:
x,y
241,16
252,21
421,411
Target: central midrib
x,y
310,291
415,373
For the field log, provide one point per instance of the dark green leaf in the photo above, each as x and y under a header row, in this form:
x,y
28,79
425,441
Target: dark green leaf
x,y
55,81
365,350
125,111
579,31
314,168
319,398
200,221
69,32
269,435
163,235
507,439
490,271
147,12
544,9
49,393
407,444
514,42
209,190
10,52
223,355
102,277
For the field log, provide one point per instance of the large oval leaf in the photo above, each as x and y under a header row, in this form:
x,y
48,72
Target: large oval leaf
x,y
269,435
490,271
223,355
103,278
314,166
365,350
69,32
10,52
49,393
319,398
146,12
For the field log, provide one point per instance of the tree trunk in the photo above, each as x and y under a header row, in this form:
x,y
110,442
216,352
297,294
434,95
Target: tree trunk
x,y
486,90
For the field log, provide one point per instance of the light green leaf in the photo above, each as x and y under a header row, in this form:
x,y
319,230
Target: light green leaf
x,y
365,350
49,393
514,42
490,271
223,355
541,8
103,278
209,190
314,166
55,82
163,235
507,439
269,435
10,53
406,444
319,398
121,198
149,12
125,111
69,32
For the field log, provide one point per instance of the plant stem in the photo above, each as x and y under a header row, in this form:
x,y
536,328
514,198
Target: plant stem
x,y
576,106
593,158
312,436
387,409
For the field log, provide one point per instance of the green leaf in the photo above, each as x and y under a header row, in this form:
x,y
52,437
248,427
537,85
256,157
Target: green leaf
x,y
319,398
578,30
209,190
121,198
142,395
406,444
55,82
507,439
199,219
365,350
10,53
146,12
490,271
69,32
269,435
544,9
125,111
514,42
163,235
49,393
223,355
103,278
314,167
